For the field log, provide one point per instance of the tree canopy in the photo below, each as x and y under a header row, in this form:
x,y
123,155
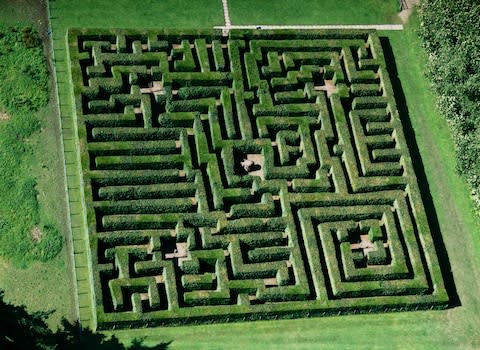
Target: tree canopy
x,y
451,37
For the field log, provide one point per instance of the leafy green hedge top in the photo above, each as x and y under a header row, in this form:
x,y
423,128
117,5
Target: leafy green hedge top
x,y
178,232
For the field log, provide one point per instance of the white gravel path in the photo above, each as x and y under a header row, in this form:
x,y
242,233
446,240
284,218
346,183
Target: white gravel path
x,y
334,26
226,14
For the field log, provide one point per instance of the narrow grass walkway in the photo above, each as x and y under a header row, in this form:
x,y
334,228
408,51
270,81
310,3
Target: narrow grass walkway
x,y
226,14
77,235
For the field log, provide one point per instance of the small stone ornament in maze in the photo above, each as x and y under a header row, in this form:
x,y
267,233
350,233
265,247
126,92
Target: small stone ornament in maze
x,y
260,175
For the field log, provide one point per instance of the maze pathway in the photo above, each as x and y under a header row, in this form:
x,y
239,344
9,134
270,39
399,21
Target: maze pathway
x,y
260,175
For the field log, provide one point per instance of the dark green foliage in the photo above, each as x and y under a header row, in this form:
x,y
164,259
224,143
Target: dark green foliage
x,y
30,38
195,92
451,38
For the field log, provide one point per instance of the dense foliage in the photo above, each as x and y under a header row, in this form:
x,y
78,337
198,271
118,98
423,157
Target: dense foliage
x,y
24,236
451,36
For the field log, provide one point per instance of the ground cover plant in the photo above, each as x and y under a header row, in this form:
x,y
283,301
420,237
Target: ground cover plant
x,y
328,218
25,236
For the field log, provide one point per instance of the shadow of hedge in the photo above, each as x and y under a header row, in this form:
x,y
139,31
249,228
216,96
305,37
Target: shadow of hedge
x,y
409,132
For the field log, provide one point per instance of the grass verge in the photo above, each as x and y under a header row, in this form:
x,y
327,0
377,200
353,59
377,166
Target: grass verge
x,y
25,235
127,13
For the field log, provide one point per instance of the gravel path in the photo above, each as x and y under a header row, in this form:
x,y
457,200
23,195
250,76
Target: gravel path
x,y
226,14
405,13
334,26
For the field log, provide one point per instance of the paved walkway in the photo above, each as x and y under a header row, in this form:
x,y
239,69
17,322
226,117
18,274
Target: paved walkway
x,y
406,12
334,26
226,16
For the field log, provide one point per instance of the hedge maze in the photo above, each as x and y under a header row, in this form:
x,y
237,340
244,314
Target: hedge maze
x,y
261,175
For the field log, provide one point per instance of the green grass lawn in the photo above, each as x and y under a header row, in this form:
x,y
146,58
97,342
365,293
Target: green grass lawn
x,y
313,12
41,287
147,13
455,328
19,12
29,187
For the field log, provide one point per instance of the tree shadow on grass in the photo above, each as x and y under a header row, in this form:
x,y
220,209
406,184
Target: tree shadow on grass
x,y
87,339
440,248
20,329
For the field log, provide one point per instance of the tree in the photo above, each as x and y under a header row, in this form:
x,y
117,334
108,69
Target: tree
x,y
451,38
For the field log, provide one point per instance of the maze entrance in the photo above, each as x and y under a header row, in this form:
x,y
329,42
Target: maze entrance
x,y
261,175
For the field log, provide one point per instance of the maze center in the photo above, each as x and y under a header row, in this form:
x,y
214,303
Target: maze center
x,y
260,175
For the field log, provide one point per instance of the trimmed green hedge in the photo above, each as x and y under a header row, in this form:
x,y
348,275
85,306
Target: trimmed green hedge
x,y
179,232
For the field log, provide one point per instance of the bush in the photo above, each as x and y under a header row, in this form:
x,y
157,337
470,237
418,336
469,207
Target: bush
x,y
50,244
451,38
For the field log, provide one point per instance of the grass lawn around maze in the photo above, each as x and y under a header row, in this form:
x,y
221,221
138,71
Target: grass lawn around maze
x,y
131,14
44,286
449,329
313,12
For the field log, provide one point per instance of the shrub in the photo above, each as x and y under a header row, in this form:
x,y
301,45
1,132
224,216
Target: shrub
x,y
451,38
